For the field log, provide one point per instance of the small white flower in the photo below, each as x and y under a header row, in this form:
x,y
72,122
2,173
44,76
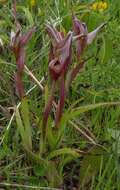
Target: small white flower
x,y
1,42
12,36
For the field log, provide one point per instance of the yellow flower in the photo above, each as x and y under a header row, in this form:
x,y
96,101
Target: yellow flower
x,y
3,1
94,6
101,6
105,5
33,3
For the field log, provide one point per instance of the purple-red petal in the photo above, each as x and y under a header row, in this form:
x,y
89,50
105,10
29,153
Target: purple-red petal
x,y
62,57
80,28
26,37
55,69
55,35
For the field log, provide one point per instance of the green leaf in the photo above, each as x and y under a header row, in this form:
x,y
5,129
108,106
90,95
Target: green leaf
x,y
94,19
106,50
115,134
28,14
63,151
50,136
26,121
77,111
40,170
102,50
46,94
61,129
53,175
91,164
72,113
63,161
20,126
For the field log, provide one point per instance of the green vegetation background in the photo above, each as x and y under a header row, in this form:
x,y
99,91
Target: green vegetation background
x,y
99,82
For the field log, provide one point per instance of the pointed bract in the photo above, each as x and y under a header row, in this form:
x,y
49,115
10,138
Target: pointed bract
x,y
92,35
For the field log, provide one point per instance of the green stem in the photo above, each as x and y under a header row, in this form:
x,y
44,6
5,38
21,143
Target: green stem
x,y
46,114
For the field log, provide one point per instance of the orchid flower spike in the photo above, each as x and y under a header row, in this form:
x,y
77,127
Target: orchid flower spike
x,y
83,38
18,43
60,52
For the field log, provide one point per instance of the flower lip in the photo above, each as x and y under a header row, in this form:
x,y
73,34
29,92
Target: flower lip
x,y
55,68
64,48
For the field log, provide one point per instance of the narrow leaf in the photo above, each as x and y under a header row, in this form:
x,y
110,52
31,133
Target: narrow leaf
x,y
63,151
77,111
26,121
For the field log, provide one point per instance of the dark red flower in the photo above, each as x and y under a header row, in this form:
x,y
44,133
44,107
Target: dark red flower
x,y
59,59
18,43
83,38
79,29
60,52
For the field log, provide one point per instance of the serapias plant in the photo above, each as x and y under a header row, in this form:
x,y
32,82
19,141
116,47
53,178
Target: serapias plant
x,y
62,73
18,43
60,58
